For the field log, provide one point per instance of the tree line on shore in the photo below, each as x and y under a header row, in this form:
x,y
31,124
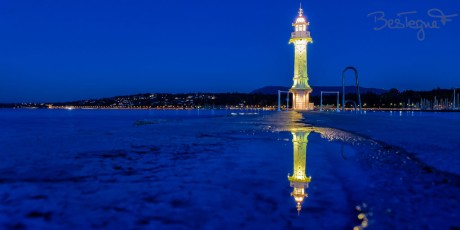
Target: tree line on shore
x,y
393,98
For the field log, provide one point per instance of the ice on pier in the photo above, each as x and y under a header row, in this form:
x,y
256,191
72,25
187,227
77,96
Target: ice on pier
x,y
207,169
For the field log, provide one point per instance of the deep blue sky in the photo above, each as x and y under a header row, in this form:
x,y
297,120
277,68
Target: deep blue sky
x,y
77,49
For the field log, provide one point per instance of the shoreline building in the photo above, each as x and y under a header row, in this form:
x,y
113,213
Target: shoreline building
x,y
301,89
299,180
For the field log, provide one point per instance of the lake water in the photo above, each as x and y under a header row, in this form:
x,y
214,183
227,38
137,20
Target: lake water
x,y
222,169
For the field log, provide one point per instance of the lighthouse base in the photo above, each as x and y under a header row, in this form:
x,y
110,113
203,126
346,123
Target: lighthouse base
x,y
301,99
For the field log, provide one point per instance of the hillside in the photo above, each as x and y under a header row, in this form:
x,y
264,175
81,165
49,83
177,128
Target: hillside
x,y
317,89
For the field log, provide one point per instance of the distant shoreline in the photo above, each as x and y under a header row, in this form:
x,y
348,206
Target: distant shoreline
x,y
238,108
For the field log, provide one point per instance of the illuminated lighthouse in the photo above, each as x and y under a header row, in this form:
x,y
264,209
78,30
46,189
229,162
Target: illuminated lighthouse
x,y
299,180
301,89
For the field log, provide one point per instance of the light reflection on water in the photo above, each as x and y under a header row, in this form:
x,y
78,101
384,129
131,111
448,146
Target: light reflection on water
x,y
383,184
158,173
299,180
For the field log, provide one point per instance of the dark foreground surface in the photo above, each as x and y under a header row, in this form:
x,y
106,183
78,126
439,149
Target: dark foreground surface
x,y
208,170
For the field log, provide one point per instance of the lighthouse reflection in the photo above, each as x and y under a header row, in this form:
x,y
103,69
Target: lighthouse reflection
x,y
299,180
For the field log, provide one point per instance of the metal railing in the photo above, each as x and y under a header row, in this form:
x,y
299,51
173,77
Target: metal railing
x,y
357,87
321,101
279,99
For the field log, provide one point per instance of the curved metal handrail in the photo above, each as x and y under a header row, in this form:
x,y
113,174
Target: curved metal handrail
x,y
354,103
357,87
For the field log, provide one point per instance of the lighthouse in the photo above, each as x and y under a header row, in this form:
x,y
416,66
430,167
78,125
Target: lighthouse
x,y
299,180
300,38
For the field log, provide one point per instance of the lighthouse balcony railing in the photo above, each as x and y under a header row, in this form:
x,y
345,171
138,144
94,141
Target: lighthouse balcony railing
x,y
300,34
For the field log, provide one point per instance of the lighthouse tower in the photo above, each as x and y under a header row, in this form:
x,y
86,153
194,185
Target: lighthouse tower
x,y
299,180
301,89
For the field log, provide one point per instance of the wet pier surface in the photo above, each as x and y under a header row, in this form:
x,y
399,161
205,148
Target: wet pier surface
x,y
133,170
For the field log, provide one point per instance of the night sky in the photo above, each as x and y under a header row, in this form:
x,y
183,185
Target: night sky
x,y
77,49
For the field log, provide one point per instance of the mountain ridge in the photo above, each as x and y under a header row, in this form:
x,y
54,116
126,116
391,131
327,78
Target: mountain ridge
x,y
317,90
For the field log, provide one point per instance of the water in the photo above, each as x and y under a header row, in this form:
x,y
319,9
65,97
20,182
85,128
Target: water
x,y
122,169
